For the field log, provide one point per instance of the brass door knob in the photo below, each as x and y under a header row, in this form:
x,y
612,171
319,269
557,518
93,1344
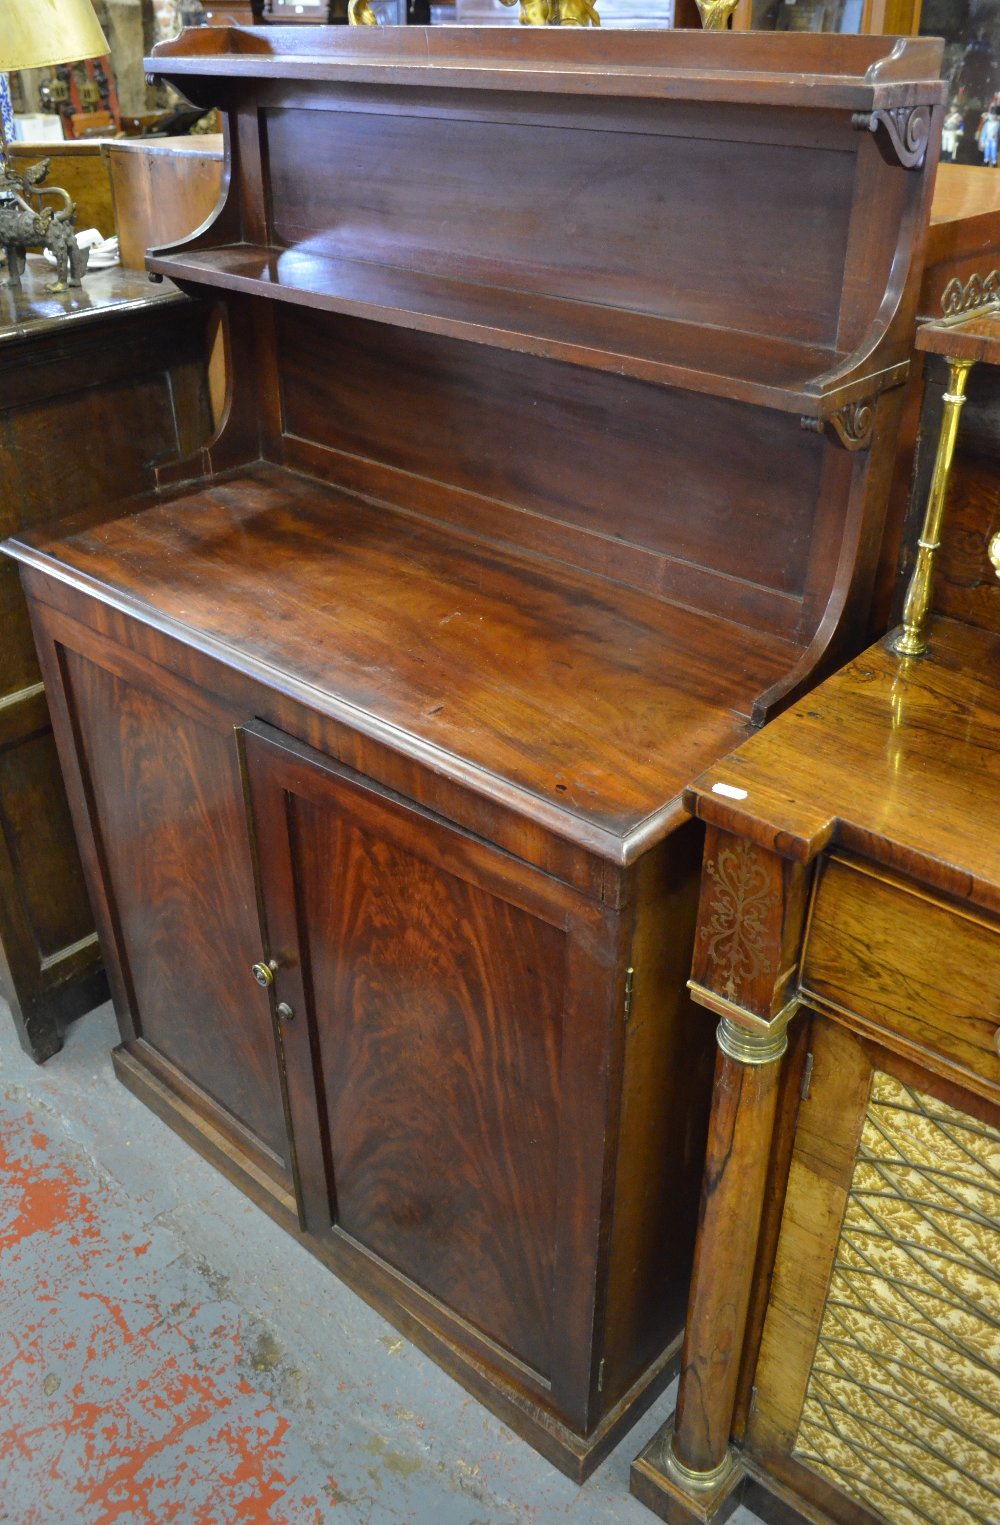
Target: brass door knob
x,y
264,974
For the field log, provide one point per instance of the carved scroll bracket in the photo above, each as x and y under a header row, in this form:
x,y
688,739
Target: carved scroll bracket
x,y
851,427
901,133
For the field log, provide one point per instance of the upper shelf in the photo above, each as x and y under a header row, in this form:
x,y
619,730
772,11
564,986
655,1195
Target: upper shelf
x,y
771,371
753,68
707,237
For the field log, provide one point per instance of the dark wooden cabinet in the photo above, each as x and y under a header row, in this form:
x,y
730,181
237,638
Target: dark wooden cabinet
x,y
539,476
96,387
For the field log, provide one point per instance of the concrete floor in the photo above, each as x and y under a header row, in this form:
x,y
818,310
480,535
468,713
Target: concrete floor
x,y
169,1354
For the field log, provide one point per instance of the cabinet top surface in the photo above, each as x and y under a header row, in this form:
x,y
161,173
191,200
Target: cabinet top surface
x,y
588,703
777,67
105,294
893,758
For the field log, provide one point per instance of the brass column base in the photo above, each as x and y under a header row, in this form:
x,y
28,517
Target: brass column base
x,y
678,1495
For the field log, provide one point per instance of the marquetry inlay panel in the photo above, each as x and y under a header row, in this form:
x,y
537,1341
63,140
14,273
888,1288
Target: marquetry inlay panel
x,y
902,1409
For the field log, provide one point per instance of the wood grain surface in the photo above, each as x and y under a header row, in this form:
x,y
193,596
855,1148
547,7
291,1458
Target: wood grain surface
x,y
909,965
166,812
526,670
923,736
438,1011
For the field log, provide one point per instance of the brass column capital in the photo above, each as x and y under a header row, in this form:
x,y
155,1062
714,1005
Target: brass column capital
x,y
755,1045
741,1034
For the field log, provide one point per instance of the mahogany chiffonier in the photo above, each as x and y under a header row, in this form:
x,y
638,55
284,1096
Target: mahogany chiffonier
x,y
96,386
842,1355
565,376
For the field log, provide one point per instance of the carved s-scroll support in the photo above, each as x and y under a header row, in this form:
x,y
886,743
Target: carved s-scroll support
x,y
750,920
851,427
901,132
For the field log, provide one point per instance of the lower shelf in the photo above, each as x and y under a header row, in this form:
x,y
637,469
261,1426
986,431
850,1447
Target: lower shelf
x,y
702,357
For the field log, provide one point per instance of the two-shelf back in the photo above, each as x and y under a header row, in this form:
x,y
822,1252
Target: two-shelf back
x,y
607,314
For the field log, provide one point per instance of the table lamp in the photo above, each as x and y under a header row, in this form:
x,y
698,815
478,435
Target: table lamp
x,y
37,33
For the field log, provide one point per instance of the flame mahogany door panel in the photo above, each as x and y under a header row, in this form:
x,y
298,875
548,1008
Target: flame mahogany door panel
x,y
444,1000
160,772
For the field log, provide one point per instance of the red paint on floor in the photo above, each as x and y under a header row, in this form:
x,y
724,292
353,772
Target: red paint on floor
x,y
118,1405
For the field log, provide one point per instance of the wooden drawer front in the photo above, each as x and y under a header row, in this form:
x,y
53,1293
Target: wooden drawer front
x,y
907,964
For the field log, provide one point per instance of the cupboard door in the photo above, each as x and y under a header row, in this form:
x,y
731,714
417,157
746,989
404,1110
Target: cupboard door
x,y
879,1372
161,776
428,1054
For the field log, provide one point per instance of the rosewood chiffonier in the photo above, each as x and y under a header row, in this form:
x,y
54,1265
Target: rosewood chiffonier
x,y
566,371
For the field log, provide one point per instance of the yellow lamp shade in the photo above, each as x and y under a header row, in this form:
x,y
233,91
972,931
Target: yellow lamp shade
x,y
35,33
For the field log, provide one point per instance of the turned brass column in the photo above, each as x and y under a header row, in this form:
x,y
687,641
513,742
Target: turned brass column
x,y
911,642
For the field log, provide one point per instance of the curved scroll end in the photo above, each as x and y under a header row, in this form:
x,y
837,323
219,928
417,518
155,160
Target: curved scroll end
x,y
901,133
852,426
360,13
715,14
578,13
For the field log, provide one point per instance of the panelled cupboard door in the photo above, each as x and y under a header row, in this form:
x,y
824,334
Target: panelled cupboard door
x,y
878,1379
447,1002
160,771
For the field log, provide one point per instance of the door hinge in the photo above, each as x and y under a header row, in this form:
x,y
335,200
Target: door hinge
x,y
600,1376
629,982
753,1402
807,1075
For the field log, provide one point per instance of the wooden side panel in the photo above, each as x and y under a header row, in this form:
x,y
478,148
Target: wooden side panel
x,y
37,830
438,1010
86,447
166,807
603,455
85,410
822,1165
49,958
666,1088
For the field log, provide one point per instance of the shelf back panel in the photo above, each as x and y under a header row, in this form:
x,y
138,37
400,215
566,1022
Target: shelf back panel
x,y
646,219
591,466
